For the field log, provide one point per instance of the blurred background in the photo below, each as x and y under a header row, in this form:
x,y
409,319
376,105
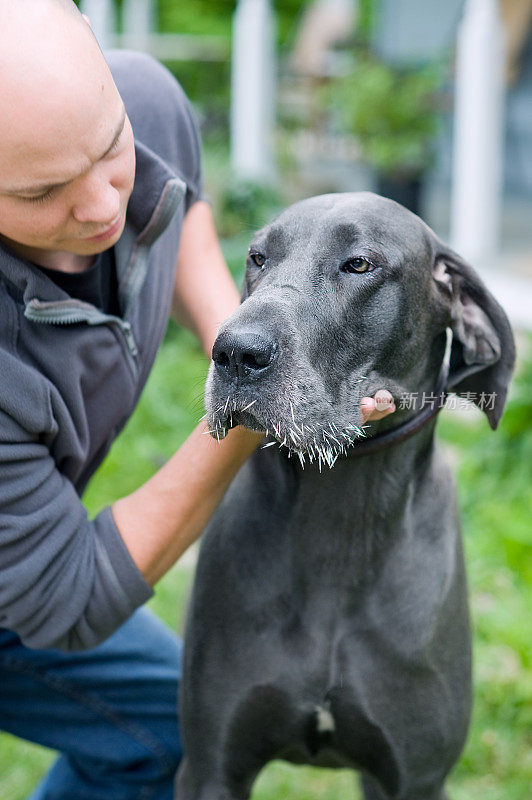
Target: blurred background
x,y
426,102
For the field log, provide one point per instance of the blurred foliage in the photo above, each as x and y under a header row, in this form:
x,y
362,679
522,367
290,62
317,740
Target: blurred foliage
x,y
495,493
245,205
215,17
503,468
205,17
207,85
393,113
497,469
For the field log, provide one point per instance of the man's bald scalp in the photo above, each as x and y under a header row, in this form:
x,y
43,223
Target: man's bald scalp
x,y
66,5
57,95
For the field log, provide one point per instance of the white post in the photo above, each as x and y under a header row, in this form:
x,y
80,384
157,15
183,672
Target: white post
x,y
252,89
102,16
478,149
138,18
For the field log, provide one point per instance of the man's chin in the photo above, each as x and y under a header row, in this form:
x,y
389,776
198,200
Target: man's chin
x,y
47,254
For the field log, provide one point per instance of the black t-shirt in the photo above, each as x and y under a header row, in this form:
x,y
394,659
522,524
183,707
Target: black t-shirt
x,y
98,285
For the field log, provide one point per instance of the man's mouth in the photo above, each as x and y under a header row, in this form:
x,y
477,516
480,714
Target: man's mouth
x,y
107,234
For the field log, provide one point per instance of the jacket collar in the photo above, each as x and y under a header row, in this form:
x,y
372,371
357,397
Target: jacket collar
x,y
157,192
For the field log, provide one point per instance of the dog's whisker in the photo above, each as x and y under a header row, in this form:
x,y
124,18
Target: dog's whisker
x,y
292,411
249,405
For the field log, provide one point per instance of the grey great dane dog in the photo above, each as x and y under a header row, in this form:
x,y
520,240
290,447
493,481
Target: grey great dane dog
x,y
328,622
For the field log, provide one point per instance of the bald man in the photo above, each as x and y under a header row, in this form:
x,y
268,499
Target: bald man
x,y
103,232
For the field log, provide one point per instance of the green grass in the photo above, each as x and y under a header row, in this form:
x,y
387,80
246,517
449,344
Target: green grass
x,y
494,479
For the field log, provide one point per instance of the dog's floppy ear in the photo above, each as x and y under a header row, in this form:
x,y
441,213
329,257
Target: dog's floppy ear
x,y
483,351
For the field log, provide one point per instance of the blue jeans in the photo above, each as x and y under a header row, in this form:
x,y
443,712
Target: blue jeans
x,y
110,711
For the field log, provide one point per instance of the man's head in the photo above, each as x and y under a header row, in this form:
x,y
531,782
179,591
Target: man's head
x,y
66,146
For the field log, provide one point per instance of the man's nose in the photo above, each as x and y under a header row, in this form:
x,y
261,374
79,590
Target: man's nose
x,y
98,200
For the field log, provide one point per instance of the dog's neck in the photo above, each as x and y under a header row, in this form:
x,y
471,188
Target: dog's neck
x,y
362,498
346,518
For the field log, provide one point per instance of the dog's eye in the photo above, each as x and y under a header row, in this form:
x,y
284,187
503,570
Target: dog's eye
x,y
358,265
258,259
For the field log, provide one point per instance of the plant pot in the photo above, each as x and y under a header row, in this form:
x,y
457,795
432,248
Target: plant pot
x,y
403,189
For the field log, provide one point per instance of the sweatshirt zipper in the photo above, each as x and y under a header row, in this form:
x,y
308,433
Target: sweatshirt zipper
x,y
68,313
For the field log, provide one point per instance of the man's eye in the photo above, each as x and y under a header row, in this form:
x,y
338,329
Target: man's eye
x,y
357,265
115,146
41,198
257,258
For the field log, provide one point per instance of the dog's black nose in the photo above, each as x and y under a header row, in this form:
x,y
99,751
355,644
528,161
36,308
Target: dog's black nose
x,y
243,355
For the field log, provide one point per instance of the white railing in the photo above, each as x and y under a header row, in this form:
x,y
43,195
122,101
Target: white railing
x,y
478,147
139,33
252,74
103,18
253,90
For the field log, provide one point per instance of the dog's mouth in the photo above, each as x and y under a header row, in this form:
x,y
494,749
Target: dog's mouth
x,y
233,412
322,442
230,414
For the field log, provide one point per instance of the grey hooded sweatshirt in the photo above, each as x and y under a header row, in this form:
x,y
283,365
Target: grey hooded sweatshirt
x,y
70,377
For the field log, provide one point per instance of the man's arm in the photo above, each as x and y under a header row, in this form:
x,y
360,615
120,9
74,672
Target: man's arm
x,y
168,513
204,291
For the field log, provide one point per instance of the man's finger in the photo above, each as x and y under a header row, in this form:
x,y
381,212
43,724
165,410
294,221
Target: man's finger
x,y
378,406
383,400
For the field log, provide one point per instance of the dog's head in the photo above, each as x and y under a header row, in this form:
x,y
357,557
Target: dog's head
x,y
346,294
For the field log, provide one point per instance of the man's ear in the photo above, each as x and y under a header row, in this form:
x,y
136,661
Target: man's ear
x,y
483,351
